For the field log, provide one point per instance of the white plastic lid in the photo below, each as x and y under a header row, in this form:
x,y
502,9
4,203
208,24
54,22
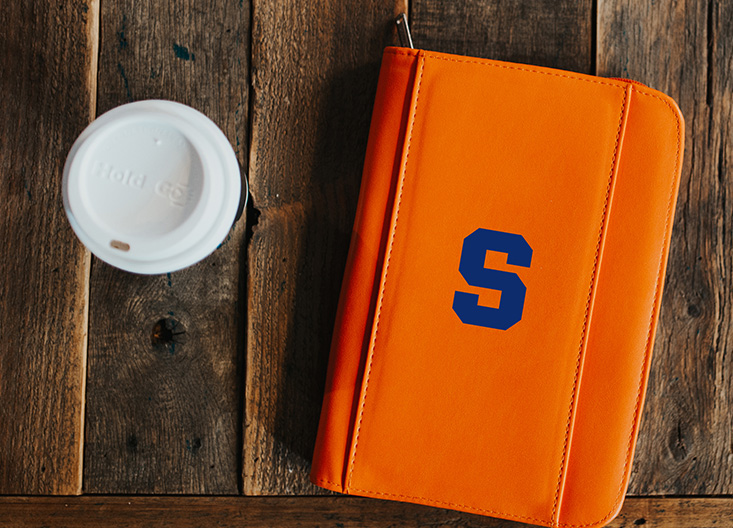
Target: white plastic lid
x,y
152,186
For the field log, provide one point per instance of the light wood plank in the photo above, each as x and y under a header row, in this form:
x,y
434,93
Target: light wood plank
x,y
163,401
686,50
48,54
303,512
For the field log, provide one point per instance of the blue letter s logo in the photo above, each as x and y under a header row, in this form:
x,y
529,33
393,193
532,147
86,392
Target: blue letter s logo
x,y
511,286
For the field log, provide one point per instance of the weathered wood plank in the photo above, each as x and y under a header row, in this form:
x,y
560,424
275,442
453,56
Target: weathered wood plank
x,y
163,405
314,75
686,50
550,33
48,54
341,512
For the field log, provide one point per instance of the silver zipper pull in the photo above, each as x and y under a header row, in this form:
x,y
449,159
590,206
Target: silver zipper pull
x,y
403,29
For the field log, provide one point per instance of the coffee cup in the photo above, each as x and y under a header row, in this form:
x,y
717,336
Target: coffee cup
x,y
152,187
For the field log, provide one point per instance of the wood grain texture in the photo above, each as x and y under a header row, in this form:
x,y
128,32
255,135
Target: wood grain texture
x,y
686,50
550,33
163,405
48,53
314,75
303,512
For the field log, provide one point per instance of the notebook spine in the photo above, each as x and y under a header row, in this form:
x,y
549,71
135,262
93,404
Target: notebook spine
x,y
363,269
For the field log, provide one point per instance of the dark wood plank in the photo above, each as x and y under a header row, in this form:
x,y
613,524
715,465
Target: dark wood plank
x,y
550,33
314,73
48,54
302,512
682,512
163,407
686,439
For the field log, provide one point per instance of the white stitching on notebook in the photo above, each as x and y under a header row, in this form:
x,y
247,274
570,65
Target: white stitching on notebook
x,y
591,288
386,271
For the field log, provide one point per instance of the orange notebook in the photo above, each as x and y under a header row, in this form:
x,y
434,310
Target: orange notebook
x,y
496,320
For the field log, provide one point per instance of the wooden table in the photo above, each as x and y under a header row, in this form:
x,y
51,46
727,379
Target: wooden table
x,y
120,392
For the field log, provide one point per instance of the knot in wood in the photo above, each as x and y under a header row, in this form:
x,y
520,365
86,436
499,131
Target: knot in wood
x,y
167,334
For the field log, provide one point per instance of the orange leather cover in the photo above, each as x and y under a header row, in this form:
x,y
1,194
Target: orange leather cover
x,y
536,422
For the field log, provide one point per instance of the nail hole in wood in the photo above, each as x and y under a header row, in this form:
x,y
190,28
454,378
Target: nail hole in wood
x,y
131,443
